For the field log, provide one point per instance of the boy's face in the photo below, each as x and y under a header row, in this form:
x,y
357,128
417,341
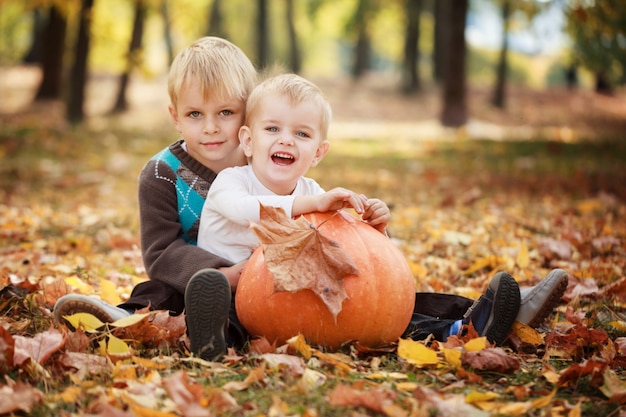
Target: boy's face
x,y
209,127
283,141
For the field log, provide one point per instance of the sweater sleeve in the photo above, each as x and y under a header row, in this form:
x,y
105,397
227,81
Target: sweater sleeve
x,y
167,257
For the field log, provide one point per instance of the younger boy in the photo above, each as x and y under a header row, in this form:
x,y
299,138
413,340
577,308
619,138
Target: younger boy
x,y
285,134
208,85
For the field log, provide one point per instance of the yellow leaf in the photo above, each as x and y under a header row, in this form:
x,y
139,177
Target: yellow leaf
x,y
88,322
79,284
124,371
476,344
542,402
491,261
619,325
299,344
149,363
576,411
117,346
453,357
130,320
522,259
108,292
416,353
527,334
70,395
475,396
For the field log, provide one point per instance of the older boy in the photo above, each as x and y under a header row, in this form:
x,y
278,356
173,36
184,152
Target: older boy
x,y
208,84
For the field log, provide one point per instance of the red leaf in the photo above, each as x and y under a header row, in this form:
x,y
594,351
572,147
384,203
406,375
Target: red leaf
x,y
491,359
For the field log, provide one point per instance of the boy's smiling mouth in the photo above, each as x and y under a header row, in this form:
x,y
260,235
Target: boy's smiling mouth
x,y
283,158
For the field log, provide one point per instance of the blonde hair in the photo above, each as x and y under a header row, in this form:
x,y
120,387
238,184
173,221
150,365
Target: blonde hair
x,y
296,89
221,68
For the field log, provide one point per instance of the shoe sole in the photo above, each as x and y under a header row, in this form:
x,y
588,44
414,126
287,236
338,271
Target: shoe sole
x,y
548,307
207,303
506,306
71,307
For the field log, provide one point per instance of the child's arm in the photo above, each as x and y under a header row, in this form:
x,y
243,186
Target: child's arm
x,y
332,200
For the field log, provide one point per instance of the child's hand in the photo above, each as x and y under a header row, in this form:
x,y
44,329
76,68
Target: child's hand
x,y
339,198
376,214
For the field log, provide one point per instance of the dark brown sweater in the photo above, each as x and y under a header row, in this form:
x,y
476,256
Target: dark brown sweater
x,y
172,189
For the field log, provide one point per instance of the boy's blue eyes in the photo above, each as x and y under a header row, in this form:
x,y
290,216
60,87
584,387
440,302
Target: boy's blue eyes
x,y
274,129
195,114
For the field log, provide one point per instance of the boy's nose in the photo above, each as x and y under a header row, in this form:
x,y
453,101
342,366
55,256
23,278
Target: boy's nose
x,y
285,139
210,127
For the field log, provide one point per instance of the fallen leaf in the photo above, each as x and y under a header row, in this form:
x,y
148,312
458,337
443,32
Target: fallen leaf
x,y
416,353
187,396
18,397
38,348
491,359
301,257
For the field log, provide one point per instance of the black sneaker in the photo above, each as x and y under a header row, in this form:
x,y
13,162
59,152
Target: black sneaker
x,y
207,304
495,311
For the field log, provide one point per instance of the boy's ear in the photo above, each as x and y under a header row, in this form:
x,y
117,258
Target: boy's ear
x,y
322,150
174,116
245,139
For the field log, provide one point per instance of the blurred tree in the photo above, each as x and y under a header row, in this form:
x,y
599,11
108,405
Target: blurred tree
x,y
263,44
216,19
529,9
499,96
133,58
441,10
598,30
358,26
78,76
34,54
295,59
410,75
454,112
51,85
167,32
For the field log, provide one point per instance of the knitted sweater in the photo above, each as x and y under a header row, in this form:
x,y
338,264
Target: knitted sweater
x,y
172,189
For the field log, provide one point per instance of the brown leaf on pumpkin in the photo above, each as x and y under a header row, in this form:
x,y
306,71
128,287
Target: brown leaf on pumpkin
x,y
300,257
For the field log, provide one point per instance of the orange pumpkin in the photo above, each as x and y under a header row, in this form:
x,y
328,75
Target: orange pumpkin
x,y
380,298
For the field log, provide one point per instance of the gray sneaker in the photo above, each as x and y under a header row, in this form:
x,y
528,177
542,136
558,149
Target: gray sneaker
x,y
207,305
77,303
539,302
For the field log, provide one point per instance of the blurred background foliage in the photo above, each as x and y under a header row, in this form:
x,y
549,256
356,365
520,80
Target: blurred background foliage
x,y
574,42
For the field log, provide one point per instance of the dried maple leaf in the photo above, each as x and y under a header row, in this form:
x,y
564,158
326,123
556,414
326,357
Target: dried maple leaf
x,y
492,359
300,257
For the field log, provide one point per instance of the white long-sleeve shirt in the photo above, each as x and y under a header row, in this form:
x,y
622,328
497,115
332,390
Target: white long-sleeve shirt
x,y
233,201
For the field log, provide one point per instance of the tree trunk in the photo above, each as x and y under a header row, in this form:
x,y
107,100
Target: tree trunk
x,y
454,107
216,27
133,58
167,32
499,96
78,79
362,48
35,52
295,60
441,37
51,84
411,79
262,34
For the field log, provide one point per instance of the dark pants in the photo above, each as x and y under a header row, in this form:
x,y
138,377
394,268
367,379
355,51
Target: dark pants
x,y
160,296
433,313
